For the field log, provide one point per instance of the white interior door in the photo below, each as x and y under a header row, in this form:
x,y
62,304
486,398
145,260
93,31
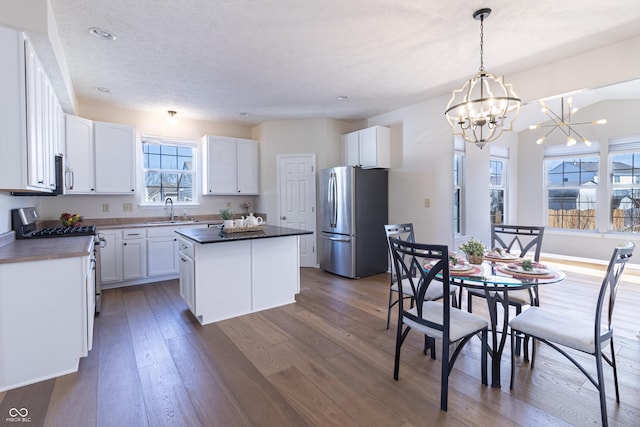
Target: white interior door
x,y
297,201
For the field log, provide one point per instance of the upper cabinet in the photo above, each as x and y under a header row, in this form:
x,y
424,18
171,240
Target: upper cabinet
x,y
30,118
114,151
100,157
230,166
368,148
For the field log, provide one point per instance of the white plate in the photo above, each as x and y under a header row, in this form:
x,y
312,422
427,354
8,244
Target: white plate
x,y
519,269
505,256
461,267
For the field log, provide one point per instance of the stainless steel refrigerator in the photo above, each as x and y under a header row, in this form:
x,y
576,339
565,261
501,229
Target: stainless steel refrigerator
x,y
354,208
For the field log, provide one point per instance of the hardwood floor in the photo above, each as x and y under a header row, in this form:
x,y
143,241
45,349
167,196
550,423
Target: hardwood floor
x,y
325,360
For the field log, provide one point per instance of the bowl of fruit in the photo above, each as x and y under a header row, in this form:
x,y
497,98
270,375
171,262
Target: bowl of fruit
x,y
70,220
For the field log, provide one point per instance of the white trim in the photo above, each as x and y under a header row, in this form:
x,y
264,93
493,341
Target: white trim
x,y
624,144
499,151
561,150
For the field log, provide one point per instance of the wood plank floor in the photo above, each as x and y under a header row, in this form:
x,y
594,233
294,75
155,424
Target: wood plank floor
x,y
325,360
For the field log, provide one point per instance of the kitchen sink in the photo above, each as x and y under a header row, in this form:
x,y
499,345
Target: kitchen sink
x,y
174,222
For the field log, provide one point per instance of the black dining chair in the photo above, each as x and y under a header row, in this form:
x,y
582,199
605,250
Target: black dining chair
x,y
434,319
405,232
523,241
561,329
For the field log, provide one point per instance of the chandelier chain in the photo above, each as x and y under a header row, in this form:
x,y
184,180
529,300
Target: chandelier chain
x,y
481,42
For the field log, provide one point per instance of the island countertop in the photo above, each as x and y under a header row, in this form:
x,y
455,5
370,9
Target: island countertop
x,y
216,235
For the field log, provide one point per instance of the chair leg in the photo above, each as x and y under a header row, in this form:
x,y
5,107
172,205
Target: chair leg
x,y
603,398
533,351
513,358
469,301
389,307
518,336
615,370
483,357
444,376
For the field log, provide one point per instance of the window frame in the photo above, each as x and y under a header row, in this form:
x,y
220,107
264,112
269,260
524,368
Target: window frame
x,y
458,188
567,157
621,147
195,170
503,187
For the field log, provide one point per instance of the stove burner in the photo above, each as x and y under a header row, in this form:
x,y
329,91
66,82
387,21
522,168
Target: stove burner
x,y
84,230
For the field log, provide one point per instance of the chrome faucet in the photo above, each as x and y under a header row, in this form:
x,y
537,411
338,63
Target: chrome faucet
x,y
168,200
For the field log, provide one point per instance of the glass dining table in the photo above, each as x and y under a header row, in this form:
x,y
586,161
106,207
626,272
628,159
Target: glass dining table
x,y
496,278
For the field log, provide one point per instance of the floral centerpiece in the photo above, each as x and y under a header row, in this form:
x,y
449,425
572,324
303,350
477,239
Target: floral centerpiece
x,y
246,206
474,249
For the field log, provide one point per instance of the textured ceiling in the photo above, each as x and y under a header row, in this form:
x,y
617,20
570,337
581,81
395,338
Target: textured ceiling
x,y
285,59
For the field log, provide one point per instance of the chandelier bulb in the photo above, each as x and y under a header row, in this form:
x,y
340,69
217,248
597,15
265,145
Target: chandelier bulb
x,y
600,122
571,141
540,140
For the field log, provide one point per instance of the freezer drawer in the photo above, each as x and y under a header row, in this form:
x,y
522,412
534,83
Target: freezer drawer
x,y
337,254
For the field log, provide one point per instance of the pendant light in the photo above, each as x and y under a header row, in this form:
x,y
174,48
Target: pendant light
x,y
485,106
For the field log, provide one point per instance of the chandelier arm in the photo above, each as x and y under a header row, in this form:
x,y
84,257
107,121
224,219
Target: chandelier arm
x,y
577,133
551,115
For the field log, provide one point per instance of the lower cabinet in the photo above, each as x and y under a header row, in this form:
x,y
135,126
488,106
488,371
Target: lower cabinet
x,y
187,274
139,255
46,318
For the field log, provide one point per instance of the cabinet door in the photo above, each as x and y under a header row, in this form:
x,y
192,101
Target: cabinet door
x,y
187,281
161,253
375,148
221,166
111,256
36,129
79,163
351,150
115,155
134,257
248,166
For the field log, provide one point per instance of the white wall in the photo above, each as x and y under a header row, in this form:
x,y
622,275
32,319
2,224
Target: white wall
x,y
319,136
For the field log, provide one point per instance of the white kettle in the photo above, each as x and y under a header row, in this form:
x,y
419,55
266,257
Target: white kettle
x,y
253,221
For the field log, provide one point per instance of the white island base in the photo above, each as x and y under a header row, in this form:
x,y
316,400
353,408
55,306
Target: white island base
x,y
231,278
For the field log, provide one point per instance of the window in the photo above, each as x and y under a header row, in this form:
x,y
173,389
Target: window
x,y
497,189
624,167
168,170
572,184
458,187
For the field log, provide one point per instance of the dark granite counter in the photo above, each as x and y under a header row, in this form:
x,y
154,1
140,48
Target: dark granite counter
x,y
216,235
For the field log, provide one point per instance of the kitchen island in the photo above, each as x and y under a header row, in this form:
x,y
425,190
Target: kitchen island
x,y
224,275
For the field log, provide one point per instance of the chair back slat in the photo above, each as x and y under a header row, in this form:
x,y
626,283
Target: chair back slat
x,y
524,238
408,258
402,232
609,287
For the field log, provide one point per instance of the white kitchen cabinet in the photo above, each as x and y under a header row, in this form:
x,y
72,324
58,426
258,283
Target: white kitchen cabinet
x,y
114,146
47,318
230,166
187,274
134,253
111,256
162,251
80,159
27,117
100,157
368,148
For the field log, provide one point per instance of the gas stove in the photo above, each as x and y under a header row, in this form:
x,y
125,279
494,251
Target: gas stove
x,y
25,226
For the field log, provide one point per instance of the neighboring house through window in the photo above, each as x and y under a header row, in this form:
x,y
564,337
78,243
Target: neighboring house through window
x,y
572,178
624,167
169,170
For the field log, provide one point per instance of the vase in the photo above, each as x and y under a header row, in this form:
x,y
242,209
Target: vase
x,y
475,259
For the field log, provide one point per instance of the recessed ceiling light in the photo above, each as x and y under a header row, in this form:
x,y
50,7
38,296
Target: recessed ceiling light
x,y
101,34
342,97
244,114
102,89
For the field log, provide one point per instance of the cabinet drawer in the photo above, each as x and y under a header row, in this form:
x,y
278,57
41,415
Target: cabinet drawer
x,y
134,233
187,247
161,231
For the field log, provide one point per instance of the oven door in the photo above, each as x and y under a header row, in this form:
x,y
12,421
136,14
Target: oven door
x,y
99,243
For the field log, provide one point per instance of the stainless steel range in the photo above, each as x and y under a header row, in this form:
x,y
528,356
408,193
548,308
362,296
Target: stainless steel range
x,y
24,223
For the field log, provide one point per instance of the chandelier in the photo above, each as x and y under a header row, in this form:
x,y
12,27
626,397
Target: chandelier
x,y
563,122
485,106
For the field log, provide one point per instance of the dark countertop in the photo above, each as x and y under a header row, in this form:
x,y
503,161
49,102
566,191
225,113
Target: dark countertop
x,y
42,249
216,235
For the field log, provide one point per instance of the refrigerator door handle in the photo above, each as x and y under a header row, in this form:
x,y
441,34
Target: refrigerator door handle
x,y
334,189
337,239
331,199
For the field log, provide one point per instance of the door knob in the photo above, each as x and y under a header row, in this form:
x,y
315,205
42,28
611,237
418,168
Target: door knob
x,y
283,217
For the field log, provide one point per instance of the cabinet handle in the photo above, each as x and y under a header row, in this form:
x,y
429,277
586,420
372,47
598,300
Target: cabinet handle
x,y
124,244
